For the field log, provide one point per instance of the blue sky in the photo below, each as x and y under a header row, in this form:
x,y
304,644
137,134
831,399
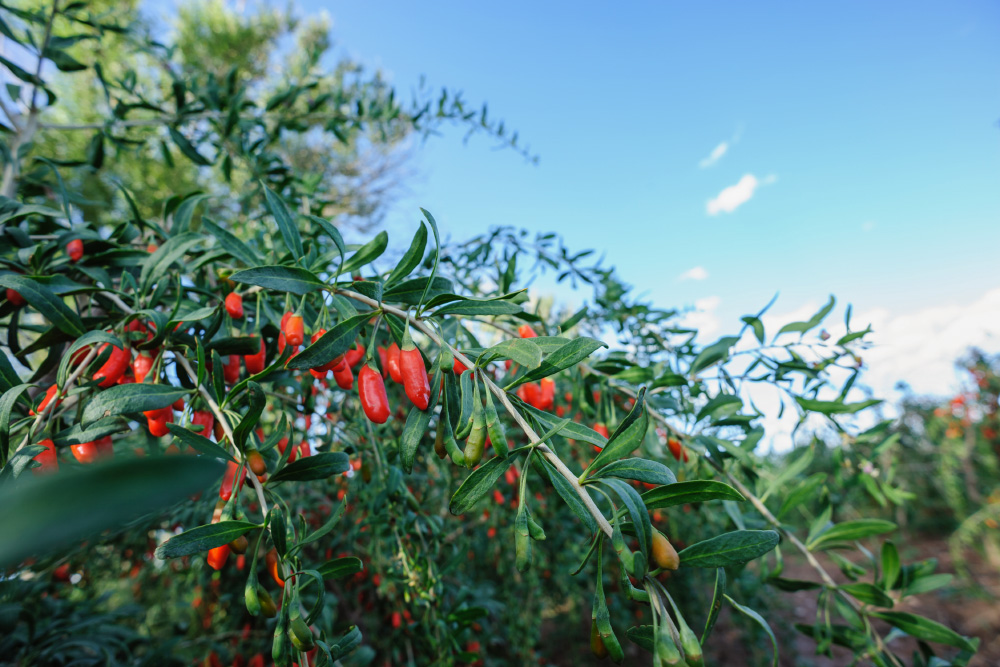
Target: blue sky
x,y
870,130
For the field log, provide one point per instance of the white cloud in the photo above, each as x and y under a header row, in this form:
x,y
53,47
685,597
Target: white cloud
x,y
715,155
703,317
735,196
697,273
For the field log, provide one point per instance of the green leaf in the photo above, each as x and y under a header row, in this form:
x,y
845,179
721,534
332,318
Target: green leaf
x,y
572,430
637,512
318,466
77,434
231,243
565,356
474,307
807,489
717,596
722,406
867,593
642,470
521,351
44,301
891,565
286,223
340,567
834,407
642,636
7,403
323,530
848,531
60,510
926,629
568,493
793,585
280,279
627,437
332,344
735,548
712,354
927,584
201,539
812,322
760,621
758,326
188,148
412,257
410,291
367,253
173,250
8,376
125,399
239,345
256,403
413,432
199,443
695,491
479,483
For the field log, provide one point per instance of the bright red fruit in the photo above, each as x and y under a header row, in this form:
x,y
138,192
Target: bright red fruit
x,y
205,419
15,297
293,330
414,376
48,459
234,305
86,452
392,361
344,376
112,369
75,250
141,366
231,369
525,331
355,355
218,556
371,390
255,362
228,479
50,393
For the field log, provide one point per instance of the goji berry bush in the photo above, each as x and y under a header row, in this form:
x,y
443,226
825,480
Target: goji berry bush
x,y
227,433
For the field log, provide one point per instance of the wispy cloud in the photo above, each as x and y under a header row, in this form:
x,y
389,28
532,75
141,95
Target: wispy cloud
x,y
703,317
715,155
697,273
734,196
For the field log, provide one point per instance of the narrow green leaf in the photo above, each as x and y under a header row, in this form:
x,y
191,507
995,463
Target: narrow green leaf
x,y
318,466
627,437
682,493
479,483
521,351
641,470
60,510
201,539
926,629
188,148
367,253
760,621
124,399
891,565
735,548
256,403
712,354
867,593
173,250
77,434
567,355
340,567
848,531
412,258
7,403
812,322
229,242
286,223
199,443
717,597
834,407
280,279
332,344
44,301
